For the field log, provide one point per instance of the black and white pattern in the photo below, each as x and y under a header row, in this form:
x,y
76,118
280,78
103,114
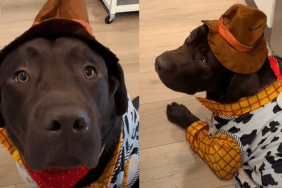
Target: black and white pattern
x,y
259,136
129,150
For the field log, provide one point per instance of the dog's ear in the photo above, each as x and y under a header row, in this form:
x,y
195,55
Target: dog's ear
x,y
242,85
118,88
2,122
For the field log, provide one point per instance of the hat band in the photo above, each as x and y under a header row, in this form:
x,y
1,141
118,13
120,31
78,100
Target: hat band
x,y
85,24
230,39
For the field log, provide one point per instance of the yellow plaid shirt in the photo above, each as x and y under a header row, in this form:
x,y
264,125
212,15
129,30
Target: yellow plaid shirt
x,y
222,152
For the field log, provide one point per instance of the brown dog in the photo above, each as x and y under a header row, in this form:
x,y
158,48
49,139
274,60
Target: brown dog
x,y
66,116
63,86
40,86
193,68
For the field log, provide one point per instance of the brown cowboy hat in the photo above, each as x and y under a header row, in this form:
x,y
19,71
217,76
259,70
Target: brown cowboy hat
x,y
237,39
62,18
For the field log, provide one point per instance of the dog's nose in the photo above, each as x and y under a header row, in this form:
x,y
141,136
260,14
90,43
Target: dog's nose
x,y
70,120
163,66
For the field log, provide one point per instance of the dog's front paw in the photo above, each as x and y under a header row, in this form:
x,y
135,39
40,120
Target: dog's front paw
x,y
180,115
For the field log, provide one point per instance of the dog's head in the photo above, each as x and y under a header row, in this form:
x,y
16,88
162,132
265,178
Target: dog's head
x,y
56,98
193,68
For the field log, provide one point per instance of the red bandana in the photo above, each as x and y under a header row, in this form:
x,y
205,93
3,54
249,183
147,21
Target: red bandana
x,y
57,178
275,67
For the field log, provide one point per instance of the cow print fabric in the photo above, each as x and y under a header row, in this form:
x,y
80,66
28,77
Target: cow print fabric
x,y
259,136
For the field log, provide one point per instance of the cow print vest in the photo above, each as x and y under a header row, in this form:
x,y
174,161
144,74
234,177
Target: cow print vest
x,y
259,137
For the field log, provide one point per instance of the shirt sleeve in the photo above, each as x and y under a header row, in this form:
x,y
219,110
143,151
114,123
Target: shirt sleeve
x,y
221,152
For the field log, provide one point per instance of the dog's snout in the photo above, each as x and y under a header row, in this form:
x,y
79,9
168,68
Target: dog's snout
x,y
158,64
70,120
76,125
163,66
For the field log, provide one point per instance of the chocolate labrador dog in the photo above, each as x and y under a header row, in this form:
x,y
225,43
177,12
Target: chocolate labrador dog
x,y
61,105
193,68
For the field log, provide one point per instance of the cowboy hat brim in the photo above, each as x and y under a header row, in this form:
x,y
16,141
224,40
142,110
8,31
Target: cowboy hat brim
x,y
232,59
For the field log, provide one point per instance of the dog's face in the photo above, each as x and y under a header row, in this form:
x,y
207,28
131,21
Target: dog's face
x,y
192,67
55,97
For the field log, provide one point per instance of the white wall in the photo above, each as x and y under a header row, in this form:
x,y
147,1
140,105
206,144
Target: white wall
x,y
267,6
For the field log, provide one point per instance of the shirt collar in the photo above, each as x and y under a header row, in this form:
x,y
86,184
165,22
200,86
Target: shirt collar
x,y
244,105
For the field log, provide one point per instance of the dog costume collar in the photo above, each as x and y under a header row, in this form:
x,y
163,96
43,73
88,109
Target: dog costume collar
x,y
244,105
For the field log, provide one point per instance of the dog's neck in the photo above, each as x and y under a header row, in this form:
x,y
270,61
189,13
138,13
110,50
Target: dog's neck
x,y
111,143
238,86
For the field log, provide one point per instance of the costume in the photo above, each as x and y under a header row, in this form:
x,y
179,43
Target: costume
x,y
68,18
247,146
243,140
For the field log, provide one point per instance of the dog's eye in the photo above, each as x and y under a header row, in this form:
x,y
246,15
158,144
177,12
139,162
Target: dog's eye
x,y
22,77
89,72
204,61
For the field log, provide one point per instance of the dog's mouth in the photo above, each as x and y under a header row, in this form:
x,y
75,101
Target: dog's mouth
x,y
65,163
69,162
173,84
